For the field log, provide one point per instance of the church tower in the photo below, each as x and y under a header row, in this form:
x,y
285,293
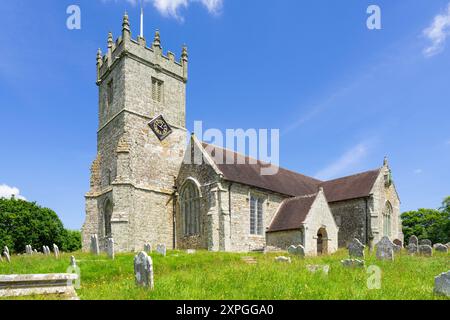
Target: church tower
x,y
141,140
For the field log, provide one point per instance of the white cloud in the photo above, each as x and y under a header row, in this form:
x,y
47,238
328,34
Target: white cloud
x,y
437,33
171,8
418,171
342,165
7,192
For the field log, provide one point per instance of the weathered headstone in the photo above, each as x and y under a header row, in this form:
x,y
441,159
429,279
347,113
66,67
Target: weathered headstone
x,y
442,284
56,251
35,251
413,240
7,256
6,249
385,249
148,248
425,250
448,245
73,262
398,242
356,248
161,249
283,259
298,251
28,249
352,263
396,248
426,242
143,270
94,245
440,247
412,248
110,248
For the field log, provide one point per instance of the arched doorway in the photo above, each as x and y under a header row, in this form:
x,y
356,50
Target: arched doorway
x,y
322,241
107,214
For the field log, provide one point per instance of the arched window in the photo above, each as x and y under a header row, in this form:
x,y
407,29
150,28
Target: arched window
x,y
387,216
107,214
190,208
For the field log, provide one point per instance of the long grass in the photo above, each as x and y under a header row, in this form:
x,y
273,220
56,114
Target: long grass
x,y
207,275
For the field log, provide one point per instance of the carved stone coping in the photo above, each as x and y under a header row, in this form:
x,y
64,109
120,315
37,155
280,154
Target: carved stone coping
x,y
15,285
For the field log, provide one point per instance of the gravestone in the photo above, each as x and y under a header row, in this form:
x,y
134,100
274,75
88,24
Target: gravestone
x,y
317,267
412,248
425,242
448,245
298,251
442,284
413,240
353,263
356,248
283,259
28,249
385,249
7,256
56,251
398,242
110,248
94,245
161,249
148,248
143,270
191,251
440,247
6,249
35,251
425,250
397,248
73,262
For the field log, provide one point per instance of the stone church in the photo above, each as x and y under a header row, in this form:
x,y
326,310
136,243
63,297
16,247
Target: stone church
x,y
146,187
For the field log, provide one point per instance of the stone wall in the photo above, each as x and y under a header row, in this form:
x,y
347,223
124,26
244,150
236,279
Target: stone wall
x,y
283,239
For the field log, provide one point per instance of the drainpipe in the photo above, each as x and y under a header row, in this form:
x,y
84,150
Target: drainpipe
x,y
368,224
229,204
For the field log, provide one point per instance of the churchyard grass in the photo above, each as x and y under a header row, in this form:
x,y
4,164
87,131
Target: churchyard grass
x,y
206,275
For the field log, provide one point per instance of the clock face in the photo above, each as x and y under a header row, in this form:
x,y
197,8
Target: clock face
x,y
160,127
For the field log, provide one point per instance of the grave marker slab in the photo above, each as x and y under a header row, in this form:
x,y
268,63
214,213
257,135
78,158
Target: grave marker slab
x,y
425,250
385,249
298,251
356,248
143,270
442,284
110,248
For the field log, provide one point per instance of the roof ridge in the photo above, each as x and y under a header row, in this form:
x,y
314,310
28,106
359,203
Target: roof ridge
x,y
353,175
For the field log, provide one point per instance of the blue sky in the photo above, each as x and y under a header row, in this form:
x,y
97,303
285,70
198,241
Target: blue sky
x,y
342,96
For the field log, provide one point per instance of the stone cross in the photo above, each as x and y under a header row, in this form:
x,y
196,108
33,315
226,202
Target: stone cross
x,y
356,249
148,248
385,249
413,240
94,245
425,250
161,248
73,262
143,270
412,248
441,248
56,251
110,248
297,250
426,242
442,284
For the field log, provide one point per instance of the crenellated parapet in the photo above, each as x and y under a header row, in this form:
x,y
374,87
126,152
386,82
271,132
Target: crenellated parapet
x,y
153,56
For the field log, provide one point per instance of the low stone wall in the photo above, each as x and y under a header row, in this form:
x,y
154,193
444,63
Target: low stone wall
x,y
33,284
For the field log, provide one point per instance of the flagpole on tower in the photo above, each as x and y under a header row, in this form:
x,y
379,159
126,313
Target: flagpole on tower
x,y
142,20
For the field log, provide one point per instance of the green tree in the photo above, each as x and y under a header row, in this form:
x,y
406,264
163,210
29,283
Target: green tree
x,y
428,223
23,222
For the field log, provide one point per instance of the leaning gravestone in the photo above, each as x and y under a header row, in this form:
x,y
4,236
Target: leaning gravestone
x,y
28,249
425,250
94,245
440,247
412,248
148,248
385,249
110,248
352,263
442,284
56,251
356,248
7,257
426,242
161,248
6,249
297,250
143,270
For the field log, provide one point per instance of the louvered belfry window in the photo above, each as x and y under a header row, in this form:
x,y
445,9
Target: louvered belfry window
x,y
157,90
256,216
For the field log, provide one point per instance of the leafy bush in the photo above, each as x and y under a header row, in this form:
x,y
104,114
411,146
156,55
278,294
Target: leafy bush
x,y
428,223
23,222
